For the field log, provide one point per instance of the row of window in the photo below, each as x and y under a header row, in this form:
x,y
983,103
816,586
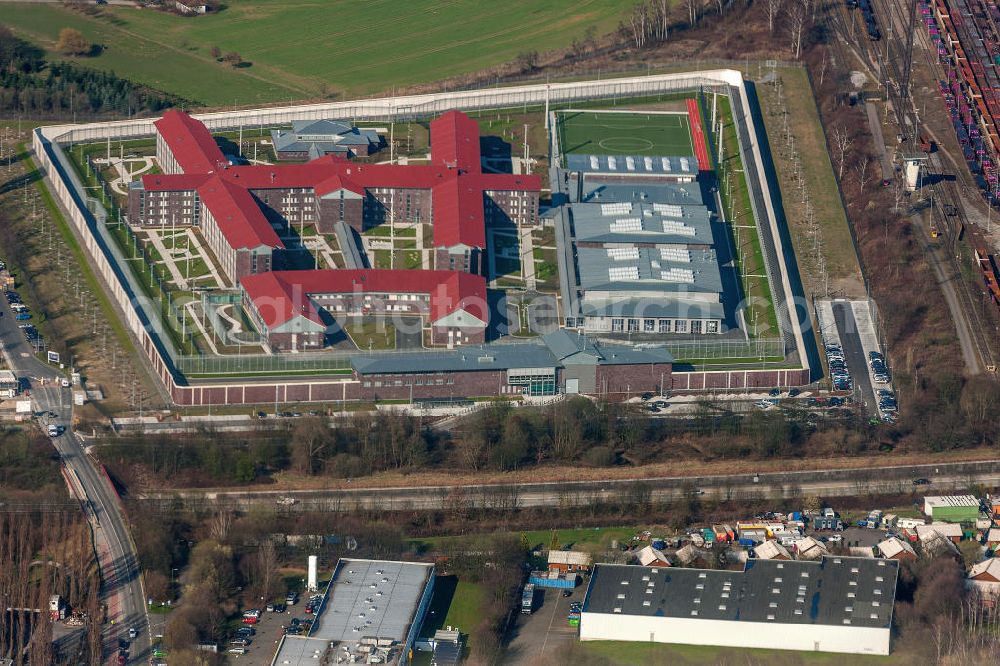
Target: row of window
x,y
618,325
419,381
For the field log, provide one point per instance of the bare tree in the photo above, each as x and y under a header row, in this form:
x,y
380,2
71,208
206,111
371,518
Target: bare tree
x,y
862,170
220,524
772,8
692,7
823,65
796,28
841,143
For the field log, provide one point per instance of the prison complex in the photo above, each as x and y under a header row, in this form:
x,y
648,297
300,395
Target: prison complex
x,y
241,209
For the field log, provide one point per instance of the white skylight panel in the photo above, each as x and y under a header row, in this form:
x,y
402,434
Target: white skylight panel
x,y
623,273
678,228
676,254
623,253
626,225
681,275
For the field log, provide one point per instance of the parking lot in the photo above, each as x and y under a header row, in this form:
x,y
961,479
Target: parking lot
x,y
545,630
269,628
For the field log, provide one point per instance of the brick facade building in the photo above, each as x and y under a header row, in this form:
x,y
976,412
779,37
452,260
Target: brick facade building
x,y
297,310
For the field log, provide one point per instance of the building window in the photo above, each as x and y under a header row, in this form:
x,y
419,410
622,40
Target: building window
x,y
712,327
696,326
664,326
680,326
618,325
633,325
649,325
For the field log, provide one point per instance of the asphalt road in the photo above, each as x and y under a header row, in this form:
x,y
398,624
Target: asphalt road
x,y
854,353
122,591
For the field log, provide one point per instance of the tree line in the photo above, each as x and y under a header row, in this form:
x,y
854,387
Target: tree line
x,y
32,86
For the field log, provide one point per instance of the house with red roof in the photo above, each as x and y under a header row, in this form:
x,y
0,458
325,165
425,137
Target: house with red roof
x,y
297,310
451,193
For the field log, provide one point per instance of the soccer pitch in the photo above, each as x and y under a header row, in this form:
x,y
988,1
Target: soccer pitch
x,y
594,133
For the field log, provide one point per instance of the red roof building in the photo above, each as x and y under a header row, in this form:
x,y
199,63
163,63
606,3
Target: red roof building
x,y
452,193
295,309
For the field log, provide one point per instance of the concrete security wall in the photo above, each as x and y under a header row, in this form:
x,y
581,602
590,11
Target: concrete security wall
x,y
693,631
142,319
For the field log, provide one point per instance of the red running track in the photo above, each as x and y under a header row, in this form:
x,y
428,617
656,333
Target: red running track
x,y
698,136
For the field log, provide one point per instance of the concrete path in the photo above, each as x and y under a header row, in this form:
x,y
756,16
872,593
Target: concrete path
x,y
168,259
527,258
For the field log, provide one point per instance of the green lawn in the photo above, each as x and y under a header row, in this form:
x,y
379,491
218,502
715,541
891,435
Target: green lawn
x,y
625,133
368,333
628,653
455,603
315,48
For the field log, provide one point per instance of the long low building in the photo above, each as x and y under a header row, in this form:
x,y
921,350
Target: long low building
x,y
370,614
836,604
559,362
296,310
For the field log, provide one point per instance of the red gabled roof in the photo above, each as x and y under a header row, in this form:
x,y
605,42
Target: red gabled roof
x,y
455,142
276,299
282,295
190,142
237,214
174,182
454,178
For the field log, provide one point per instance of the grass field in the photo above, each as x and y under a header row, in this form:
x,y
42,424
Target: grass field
x,y
627,653
625,133
313,48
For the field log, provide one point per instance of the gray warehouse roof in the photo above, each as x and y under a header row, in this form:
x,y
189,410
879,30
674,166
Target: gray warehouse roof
x,y
833,591
682,194
634,165
638,270
366,599
556,349
624,222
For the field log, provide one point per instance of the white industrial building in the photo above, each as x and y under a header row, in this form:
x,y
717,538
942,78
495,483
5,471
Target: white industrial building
x,y
836,604
371,613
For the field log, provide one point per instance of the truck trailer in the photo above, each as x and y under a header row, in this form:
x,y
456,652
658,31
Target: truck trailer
x,y
528,599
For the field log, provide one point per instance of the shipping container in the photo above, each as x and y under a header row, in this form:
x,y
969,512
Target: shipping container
x,y
553,579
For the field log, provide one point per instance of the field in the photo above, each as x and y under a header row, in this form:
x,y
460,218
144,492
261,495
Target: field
x,y
625,133
624,652
314,48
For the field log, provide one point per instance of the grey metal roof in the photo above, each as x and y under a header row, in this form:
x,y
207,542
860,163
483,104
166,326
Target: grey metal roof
x,y
641,222
465,359
318,137
666,193
366,599
832,591
634,165
653,308
648,270
556,349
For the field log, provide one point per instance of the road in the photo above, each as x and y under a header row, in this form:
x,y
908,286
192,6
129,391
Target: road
x,y
121,590
882,480
854,353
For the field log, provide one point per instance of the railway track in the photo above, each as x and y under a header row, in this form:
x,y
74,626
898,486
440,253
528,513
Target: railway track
x,y
887,61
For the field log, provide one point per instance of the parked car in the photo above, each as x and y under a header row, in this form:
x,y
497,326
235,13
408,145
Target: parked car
x,y
921,482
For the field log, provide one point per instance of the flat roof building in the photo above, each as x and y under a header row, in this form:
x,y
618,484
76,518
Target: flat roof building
x,y
952,508
371,607
836,604
678,168
642,224
648,290
680,194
